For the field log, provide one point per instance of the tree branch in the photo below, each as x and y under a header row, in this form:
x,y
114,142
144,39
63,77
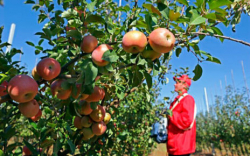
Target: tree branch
x,y
73,61
220,36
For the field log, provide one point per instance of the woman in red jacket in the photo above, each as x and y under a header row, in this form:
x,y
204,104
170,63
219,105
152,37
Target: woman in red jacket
x,y
182,126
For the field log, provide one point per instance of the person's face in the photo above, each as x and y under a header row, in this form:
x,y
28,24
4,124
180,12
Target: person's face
x,y
180,86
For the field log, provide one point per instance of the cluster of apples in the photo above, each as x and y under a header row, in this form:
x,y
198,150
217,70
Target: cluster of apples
x,y
23,88
161,40
91,122
89,45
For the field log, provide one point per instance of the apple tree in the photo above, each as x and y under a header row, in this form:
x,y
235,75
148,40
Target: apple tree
x,y
94,89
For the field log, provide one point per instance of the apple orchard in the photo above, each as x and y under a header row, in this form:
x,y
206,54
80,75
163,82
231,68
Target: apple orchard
x,y
93,91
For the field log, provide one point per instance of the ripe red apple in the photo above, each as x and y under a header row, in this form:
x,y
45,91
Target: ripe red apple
x,y
99,128
97,94
37,116
48,68
150,54
77,122
87,133
29,109
98,114
85,108
77,94
86,121
57,90
161,40
22,88
35,75
26,151
134,42
98,53
89,43
3,88
107,118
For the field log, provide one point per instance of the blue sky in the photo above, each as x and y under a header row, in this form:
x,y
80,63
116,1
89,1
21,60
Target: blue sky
x,y
230,53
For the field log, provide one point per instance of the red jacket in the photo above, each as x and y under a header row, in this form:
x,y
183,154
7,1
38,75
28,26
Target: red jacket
x,y
182,141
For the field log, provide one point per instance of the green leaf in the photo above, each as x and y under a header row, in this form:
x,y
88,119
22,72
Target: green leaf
x,y
198,72
30,43
69,13
75,34
163,9
57,146
29,2
178,52
90,73
95,19
211,16
213,4
91,6
149,22
41,18
9,132
94,105
213,59
110,56
66,85
183,2
141,61
40,42
197,20
148,97
31,148
151,9
97,34
200,3
218,31
148,79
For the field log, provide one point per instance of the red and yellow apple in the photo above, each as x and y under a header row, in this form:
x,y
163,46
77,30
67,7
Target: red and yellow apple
x,y
85,108
89,43
35,75
86,121
87,133
134,42
29,109
77,122
22,88
99,128
150,54
48,68
98,53
161,40
97,94
58,91
26,151
98,114
107,118
37,116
